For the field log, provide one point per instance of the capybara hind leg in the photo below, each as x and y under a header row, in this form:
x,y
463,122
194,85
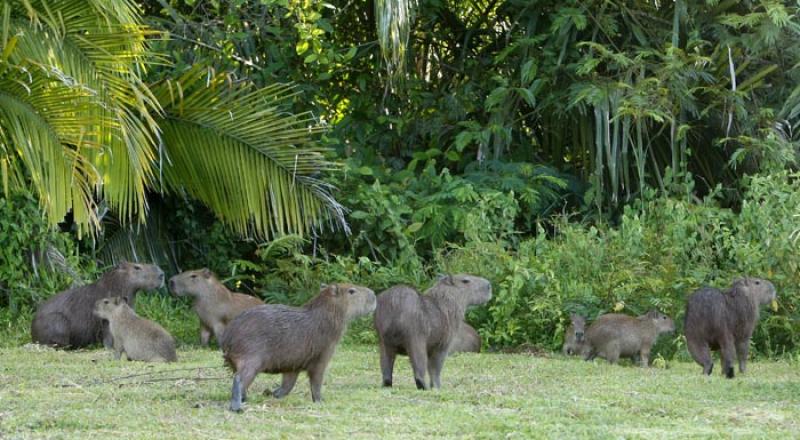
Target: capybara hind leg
x,y
701,354
419,363
287,384
388,356
52,329
612,353
742,350
727,351
435,364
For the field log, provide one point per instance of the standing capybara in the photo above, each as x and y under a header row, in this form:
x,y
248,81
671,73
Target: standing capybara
x,y
574,342
66,320
139,338
214,304
467,340
282,339
724,321
424,326
613,336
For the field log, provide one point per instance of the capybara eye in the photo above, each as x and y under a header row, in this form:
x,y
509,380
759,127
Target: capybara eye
x,y
137,267
758,282
465,281
352,291
194,276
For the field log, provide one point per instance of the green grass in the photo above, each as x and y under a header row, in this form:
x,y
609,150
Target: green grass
x,y
48,393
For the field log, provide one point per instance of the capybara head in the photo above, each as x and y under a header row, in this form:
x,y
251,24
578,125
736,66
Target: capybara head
x,y
106,307
758,290
475,290
358,300
141,276
578,325
663,322
192,282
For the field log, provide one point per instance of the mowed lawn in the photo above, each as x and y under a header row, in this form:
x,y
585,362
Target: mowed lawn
x,y
47,393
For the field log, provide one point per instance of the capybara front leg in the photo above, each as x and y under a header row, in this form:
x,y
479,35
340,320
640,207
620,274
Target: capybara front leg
x,y
315,376
419,363
236,394
105,332
388,356
287,384
727,351
435,364
701,354
644,357
742,351
205,336
219,330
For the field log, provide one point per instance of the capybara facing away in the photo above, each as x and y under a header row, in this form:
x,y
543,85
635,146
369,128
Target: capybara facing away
x,y
574,341
724,321
467,340
424,326
287,340
139,338
614,335
66,320
214,304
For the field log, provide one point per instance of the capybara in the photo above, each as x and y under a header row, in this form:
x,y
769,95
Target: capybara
x,y
614,335
282,339
66,320
140,339
724,321
214,304
424,326
467,340
574,342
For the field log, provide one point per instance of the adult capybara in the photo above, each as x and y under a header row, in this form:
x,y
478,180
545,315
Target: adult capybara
x,y
724,321
467,340
614,335
214,304
139,338
282,339
66,320
424,326
574,341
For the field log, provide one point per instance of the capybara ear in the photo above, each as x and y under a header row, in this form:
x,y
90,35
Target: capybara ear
x,y
334,289
447,279
124,299
205,272
573,316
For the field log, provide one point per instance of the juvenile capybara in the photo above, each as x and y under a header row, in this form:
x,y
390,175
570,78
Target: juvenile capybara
x,y
66,320
424,326
467,340
287,340
214,304
724,321
614,335
574,341
139,338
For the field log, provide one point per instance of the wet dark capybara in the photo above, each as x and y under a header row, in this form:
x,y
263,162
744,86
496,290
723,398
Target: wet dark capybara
x,y
66,320
467,340
724,321
574,341
424,326
613,336
140,339
214,304
282,339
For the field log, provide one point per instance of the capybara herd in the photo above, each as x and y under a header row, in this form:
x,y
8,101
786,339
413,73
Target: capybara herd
x,y
270,338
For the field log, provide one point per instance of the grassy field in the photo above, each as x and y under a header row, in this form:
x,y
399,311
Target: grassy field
x,y
47,393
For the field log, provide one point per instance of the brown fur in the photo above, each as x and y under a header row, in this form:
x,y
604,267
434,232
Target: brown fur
x,y
725,321
613,336
66,320
574,341
467,340
424,326
288,340
139,338
214,304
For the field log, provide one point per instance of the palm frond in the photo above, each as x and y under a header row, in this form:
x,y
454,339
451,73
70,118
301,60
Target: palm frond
x,y
394,18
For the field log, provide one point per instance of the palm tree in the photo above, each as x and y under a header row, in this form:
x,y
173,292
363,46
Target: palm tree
x,y
80,127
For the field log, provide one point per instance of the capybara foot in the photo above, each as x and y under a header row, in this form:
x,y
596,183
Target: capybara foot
x,y
387,383
729,373
420,384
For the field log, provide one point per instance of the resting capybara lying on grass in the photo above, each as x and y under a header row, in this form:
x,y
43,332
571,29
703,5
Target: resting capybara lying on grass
x,y
139,338
66,320
214,304
613,336
282,339
467,340
724,321
424,326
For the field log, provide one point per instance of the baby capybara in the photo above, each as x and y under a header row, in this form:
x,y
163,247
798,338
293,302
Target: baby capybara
x,y
424,326
574,342
66,320
214,304
467,340
724,321
613,336
282,339
139,338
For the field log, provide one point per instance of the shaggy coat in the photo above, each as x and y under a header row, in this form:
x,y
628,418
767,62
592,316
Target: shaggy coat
x,y
139,338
